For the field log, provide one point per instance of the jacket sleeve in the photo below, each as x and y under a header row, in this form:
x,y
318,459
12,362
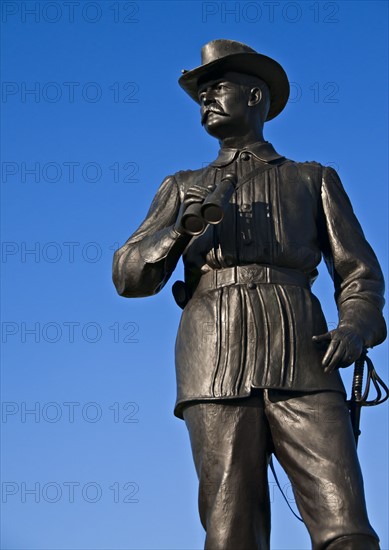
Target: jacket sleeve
x,y
352,264
143,265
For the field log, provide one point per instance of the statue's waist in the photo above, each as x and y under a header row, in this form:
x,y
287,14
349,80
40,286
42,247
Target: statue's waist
x,y
251,275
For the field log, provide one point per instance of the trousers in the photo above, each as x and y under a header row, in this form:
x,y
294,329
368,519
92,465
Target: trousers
x,y
311,436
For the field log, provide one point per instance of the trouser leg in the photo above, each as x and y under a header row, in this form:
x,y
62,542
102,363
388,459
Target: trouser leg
x,y
230,449
315,445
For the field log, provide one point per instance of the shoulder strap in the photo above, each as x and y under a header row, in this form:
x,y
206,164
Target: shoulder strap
x,y
260,170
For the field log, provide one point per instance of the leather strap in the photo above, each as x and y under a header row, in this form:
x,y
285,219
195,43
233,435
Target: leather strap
x,y
261,169
251,275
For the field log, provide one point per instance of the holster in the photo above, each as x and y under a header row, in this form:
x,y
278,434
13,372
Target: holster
x,y
181,293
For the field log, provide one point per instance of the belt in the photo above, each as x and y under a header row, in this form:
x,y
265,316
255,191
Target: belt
x,y
251,275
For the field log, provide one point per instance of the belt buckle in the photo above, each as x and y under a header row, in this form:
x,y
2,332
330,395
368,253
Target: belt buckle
x,y
249,275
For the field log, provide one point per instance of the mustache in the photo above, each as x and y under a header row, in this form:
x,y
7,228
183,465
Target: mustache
x,y
215,110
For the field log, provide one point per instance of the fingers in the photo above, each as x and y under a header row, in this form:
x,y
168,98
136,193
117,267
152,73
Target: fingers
x,y
192,199
322,341
334,355
197,189
343,348
197,193
322,338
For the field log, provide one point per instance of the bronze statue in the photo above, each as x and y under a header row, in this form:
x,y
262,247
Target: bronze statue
x,y
257,368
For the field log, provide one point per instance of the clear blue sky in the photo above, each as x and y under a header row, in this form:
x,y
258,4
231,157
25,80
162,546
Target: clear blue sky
x,y
90,101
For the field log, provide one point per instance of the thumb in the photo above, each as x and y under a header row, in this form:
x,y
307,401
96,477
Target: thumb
x,y
322,337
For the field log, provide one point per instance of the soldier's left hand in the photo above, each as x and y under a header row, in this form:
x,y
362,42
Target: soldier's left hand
x,y
344,347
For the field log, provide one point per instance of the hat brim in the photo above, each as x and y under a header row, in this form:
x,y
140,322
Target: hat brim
x,y
255,64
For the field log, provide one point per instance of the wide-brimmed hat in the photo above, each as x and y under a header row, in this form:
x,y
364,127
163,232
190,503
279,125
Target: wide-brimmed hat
x,y
220,56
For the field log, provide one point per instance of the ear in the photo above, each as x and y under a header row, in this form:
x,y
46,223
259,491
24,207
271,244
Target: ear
x,y
255,96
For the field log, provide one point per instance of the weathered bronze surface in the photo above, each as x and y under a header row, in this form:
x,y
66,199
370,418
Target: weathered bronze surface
x,y
257,368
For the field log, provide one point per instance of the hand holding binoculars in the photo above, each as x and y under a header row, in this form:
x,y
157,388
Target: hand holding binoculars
x,y
211,210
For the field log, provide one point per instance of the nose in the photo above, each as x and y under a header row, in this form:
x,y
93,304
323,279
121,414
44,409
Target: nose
x,y
207,97
207,100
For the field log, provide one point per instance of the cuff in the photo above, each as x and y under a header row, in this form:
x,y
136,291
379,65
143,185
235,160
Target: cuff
x,y
365,319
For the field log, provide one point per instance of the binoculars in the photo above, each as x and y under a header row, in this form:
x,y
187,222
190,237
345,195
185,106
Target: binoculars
x,y
198,215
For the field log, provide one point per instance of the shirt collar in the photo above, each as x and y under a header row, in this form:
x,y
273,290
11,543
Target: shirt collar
x,y
262,150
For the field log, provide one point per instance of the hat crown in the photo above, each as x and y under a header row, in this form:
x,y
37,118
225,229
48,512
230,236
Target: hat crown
x,y
217,49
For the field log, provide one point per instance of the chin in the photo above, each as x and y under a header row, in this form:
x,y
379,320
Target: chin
x,y
216,130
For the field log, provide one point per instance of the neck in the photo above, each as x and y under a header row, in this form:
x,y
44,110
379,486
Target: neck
x,y
240,142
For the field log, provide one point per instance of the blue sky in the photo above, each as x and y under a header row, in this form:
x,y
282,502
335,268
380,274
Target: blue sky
x,y
92,121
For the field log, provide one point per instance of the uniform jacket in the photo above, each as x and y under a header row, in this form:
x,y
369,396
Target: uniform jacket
x,y
240,336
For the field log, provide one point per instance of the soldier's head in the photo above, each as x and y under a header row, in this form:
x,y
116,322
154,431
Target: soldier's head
x,y
236,87
233,103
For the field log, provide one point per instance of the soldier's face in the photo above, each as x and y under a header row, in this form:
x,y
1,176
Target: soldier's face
x,y
225,110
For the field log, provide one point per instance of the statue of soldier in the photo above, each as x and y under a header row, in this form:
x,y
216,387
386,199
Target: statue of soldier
x,y
257,368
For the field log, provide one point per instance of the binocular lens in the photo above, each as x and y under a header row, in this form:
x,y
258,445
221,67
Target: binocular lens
x,y
192,221
217,201
212,213
197,215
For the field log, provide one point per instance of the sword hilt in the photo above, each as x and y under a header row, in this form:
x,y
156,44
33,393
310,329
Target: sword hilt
x,y
359,399
359,368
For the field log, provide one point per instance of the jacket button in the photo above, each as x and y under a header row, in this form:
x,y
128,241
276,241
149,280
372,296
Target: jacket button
x,y
245,156
252,286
